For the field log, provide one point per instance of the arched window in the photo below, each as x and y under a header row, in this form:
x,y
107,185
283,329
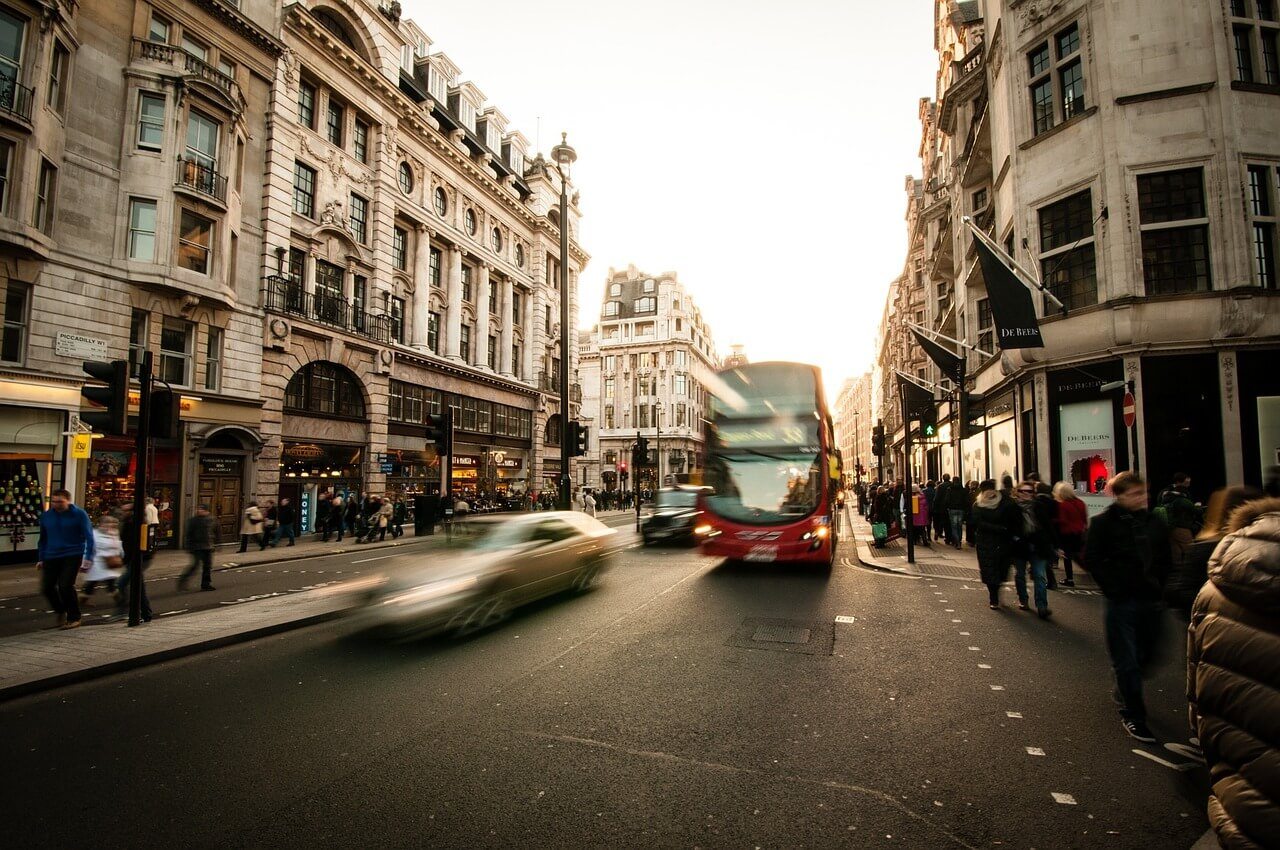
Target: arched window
x,y
551,437
325,389
337,28
554,215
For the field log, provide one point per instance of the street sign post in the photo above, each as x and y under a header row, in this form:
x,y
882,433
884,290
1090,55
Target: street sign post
x,y
1130,408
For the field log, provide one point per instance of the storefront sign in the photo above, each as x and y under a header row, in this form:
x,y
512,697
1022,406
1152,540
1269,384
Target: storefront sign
x,y
466,460
304,451
80,347
1088,449
219,465
386,467
508,463
81,445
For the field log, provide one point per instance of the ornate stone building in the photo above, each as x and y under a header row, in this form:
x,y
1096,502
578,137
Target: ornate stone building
x,y
853,423
412,264
644,372
1142,193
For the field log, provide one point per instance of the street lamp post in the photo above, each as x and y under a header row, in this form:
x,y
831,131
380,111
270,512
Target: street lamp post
x,y
564,156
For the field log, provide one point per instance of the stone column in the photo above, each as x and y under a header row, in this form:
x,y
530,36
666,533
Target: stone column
x,y
480,356
505,336
421,287
530,311
453,322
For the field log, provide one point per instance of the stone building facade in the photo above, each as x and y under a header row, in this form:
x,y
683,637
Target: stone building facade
x,y
318,229
853,424
644,372
1131,163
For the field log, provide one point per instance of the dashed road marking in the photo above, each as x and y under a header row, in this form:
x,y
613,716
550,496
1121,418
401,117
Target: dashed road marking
x,y
997,687
950,611
1034,751
1064,799
171,613
984,666
966,634
844,619
1181,767
955,621
1016,715
367,560
974,649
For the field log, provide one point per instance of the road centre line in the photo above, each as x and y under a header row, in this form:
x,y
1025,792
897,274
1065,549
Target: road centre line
x,y
367,560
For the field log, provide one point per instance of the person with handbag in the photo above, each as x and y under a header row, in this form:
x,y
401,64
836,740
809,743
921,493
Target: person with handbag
x,y
201,536
251,522
108,558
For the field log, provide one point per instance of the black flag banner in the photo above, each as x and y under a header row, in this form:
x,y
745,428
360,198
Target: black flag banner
x,y
1012,310
916,400
950,364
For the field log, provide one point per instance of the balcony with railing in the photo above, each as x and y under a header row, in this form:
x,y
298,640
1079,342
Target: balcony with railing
x,y
288,297
204,179
15,100
187,65
967,75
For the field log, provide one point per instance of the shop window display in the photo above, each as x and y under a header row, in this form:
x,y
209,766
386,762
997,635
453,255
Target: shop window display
x,y
21,501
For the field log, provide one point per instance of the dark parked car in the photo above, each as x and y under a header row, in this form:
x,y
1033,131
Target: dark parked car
x,y
673,516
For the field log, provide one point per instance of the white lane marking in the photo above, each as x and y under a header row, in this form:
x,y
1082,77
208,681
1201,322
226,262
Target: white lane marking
x,y
955,621
950,611
944,601
984,666
1016,715
966,634
1186,751
1181,768
1034,751
844,619
170,613
997,687
367,560
974,649
1064,799
936,592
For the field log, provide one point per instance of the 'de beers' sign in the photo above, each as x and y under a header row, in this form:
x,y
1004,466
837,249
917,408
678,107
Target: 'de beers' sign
x,y
1012,310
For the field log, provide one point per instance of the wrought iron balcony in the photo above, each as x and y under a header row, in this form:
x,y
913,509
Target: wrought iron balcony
x,y
289,297
202,178
549,383
16,99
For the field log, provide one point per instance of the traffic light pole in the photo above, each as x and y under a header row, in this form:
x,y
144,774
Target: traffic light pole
x,y
635,478
141,454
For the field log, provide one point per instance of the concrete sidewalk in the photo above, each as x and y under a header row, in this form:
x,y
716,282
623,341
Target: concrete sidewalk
x,y
43,660
938,560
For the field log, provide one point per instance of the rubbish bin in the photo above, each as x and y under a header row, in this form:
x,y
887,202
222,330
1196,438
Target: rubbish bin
x,y
426,510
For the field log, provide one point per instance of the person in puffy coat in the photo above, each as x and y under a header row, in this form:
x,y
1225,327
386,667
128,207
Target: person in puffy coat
x,y
997,521
1233,678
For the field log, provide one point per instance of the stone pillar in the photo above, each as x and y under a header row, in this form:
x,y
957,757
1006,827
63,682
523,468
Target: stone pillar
x,y
530,308
505,336
421,287
453,321
480,356
1228,388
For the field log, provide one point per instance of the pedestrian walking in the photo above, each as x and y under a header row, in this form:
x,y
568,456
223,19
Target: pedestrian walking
x,y
1069,524
399,512
385,512
996,522
956,503
130,532
270,523
1233,677
152,514
1033,547
352,518
108,559
287,518
1189,575
334,522
938,509
251,522
201,537
918,510
1127,550
589,504
1180,514
66,546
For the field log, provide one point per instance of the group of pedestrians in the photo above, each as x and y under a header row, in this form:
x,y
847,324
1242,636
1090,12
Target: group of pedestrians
x,y
364,520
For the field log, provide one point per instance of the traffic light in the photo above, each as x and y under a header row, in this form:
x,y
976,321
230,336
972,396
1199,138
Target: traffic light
x,y
579,438
114,396
641,457
877,440
166,411
929,422
440,431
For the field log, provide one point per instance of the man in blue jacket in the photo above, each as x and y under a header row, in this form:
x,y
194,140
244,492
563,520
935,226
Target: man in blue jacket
x,y
66,545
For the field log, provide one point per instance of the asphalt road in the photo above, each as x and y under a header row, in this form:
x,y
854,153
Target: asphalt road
x,y
641,714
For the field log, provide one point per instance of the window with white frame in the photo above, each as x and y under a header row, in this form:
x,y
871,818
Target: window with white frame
x,y
611,308
680,386
59,66
609,387
175,352
142,230
649,285
1056,72
615,289
360,141
213,360
335,122
1255,35
1175,231
150,120
195,242
1067,264
13,332
158,29
646,304
307,104
1262,195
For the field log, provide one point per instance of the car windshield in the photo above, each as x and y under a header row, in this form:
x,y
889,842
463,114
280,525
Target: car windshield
x,y
677,498
491,536
764,488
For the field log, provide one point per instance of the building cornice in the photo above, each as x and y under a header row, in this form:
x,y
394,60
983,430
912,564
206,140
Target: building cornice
x,y
473,375
236,21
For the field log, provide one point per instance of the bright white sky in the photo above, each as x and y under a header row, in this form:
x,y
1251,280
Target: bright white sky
x,y
756,147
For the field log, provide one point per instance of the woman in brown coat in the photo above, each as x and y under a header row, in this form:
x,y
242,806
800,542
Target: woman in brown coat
x,y
1233,678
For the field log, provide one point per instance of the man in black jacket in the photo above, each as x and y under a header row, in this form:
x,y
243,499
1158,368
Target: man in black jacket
x,y
287,517
201,536
1128,555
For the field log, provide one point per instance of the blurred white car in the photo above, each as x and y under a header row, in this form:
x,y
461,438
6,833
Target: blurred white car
x,y
495,565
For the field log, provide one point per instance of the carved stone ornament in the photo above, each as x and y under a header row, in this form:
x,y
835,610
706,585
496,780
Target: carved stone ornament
x,y
332,213
290,60
1034,12
385,355
391,11
189,304
279,329
336,163
1240,316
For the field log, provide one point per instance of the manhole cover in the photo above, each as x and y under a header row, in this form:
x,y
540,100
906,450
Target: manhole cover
x,y
781,634
806,637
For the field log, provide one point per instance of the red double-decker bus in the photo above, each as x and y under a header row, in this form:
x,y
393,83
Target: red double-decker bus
x,y
772,468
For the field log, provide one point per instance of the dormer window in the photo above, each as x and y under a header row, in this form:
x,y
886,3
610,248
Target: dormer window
x,y
515,159
647,304
615,290
437,85
467,113
611,308
649,285
406,58
492,137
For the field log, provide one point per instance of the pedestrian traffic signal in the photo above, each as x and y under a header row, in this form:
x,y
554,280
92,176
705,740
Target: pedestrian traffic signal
x,y
440,431
114,396
877,440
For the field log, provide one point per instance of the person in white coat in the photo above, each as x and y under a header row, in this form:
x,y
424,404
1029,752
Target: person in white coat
x,y
589,504
108,558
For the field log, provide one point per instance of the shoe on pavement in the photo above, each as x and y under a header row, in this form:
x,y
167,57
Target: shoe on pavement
x,y
1022,606
71,624
1044,613
1067,582
1138,729
208,587
994,606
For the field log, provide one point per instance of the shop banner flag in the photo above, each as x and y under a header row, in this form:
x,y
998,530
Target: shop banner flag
x,y
950,364
81,445
1012,310
916,400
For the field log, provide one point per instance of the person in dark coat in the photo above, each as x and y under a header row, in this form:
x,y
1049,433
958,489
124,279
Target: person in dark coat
x,y
335,521
996,522
956,503
200,538
1128,554
1189,575
130,532
1233,678
398,513
1033,547
351,517
66,546
287,518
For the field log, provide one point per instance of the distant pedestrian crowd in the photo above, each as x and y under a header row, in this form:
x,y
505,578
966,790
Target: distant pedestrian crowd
x,y
1217,567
